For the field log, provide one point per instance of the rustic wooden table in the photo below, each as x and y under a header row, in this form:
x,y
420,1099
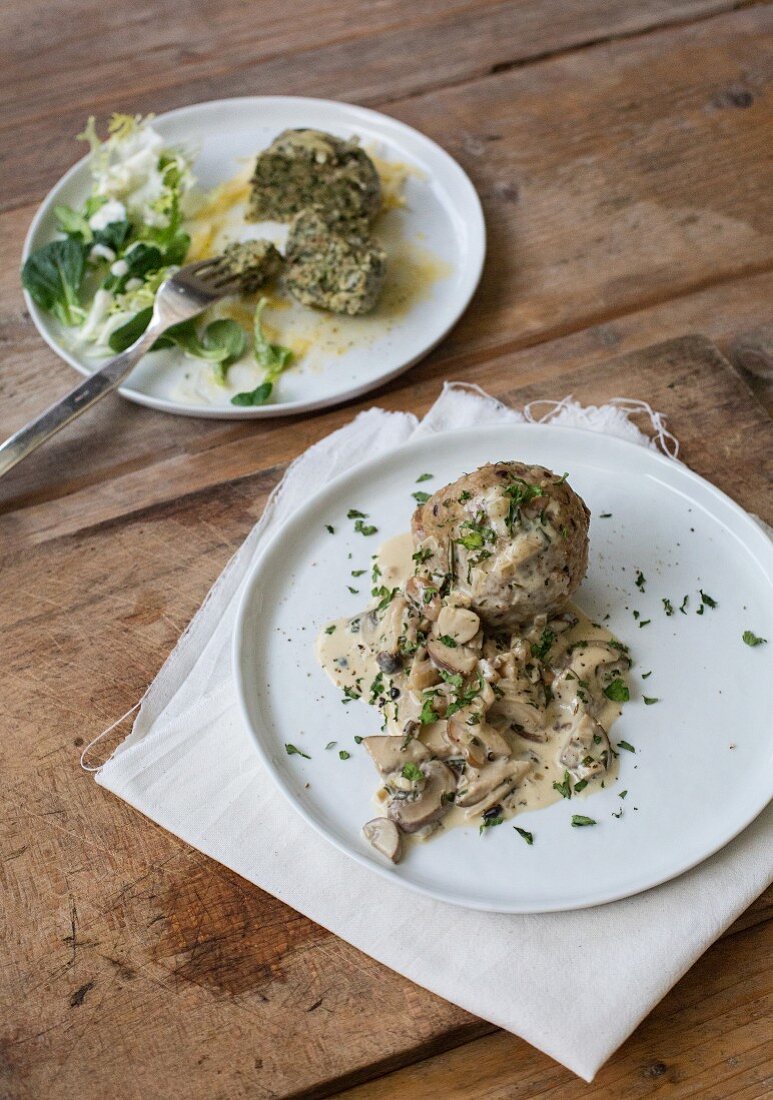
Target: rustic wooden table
x,y
622,153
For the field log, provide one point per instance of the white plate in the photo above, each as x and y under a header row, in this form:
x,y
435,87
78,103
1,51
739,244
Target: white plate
x,y
440,228
703,767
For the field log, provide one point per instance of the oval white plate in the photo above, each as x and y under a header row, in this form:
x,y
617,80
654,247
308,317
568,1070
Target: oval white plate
x,y
442,219
704,754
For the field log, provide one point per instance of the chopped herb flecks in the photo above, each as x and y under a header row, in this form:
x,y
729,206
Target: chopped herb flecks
x,y
343,754
753,639
626,745
564,788
424,477
683,605
707,600
640,581
668,607
649,700
617,691
578,820
527,836
330,629
291,750
364,528
420,497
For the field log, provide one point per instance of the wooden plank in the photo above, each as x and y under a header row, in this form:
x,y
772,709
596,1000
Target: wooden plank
x,y
123,458
128,948
230,48
681,1050
609,220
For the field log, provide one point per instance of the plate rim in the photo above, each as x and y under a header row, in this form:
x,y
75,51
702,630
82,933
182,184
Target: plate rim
x,y
755,534
476,227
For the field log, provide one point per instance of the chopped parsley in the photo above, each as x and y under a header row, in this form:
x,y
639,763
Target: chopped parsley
x,y
649,700
428,713
447,640
291,750
354,514
644,675
617,691
527,836
644,622
420,498
357,739
520,493
626,745
707,600
753,639
354,591
349,694
580,785
622,794
358,572
412,772
376,688
565,788
330,629
424,477
476,537
330,529
421,555
579,820
683,605
640,581
605,515
331,745
465,496
343,754
490,822
541,649
386,595
364,528
668,607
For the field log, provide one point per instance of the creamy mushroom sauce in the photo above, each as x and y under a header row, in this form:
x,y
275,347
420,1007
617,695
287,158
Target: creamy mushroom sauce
x,y
543,703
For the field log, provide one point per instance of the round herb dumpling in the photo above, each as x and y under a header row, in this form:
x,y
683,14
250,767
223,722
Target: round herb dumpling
x,y
514,536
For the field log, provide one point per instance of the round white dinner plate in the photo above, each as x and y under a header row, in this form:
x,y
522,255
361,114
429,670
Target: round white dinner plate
x,y
437,237
703,762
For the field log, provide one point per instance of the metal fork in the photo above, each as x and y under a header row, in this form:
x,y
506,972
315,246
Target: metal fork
x,y
186,293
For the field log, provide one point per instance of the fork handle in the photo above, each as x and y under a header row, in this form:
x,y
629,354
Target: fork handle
x,y
59,415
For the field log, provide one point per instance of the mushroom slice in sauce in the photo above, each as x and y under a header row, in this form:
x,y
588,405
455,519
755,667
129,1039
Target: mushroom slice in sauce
x,y
458,623
477,743
487,787
385,837
587,751
424,595
452,659
389,754
423,673
428,804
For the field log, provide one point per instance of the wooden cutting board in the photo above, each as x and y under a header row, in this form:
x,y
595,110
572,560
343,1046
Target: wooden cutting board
x,y
134,959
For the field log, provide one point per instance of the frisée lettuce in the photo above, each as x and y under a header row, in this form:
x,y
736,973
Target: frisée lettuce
x,y
125,240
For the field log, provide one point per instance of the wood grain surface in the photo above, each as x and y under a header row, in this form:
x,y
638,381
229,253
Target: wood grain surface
x,y
623,156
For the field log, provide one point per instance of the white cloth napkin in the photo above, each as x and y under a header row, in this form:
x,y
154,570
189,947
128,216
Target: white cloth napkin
x,y
573,984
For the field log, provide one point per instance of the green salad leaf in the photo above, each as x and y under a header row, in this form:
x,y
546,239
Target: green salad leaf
x,y
73,223
273,358
52,275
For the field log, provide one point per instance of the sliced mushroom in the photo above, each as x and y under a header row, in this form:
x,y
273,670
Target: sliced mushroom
x,y
452,659
587,750
424,595
423,673
429,804
458,623
385,837
485,787
521,702
383,630
390,753
478,743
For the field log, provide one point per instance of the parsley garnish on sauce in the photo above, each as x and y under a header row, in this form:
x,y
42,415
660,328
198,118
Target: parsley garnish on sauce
x,y
490,822
753,639
546,640
330,629
527,836
565,788
578,820
617,691
412,772
291,750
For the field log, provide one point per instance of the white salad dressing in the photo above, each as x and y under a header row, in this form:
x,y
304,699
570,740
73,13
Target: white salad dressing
x,y
350,660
